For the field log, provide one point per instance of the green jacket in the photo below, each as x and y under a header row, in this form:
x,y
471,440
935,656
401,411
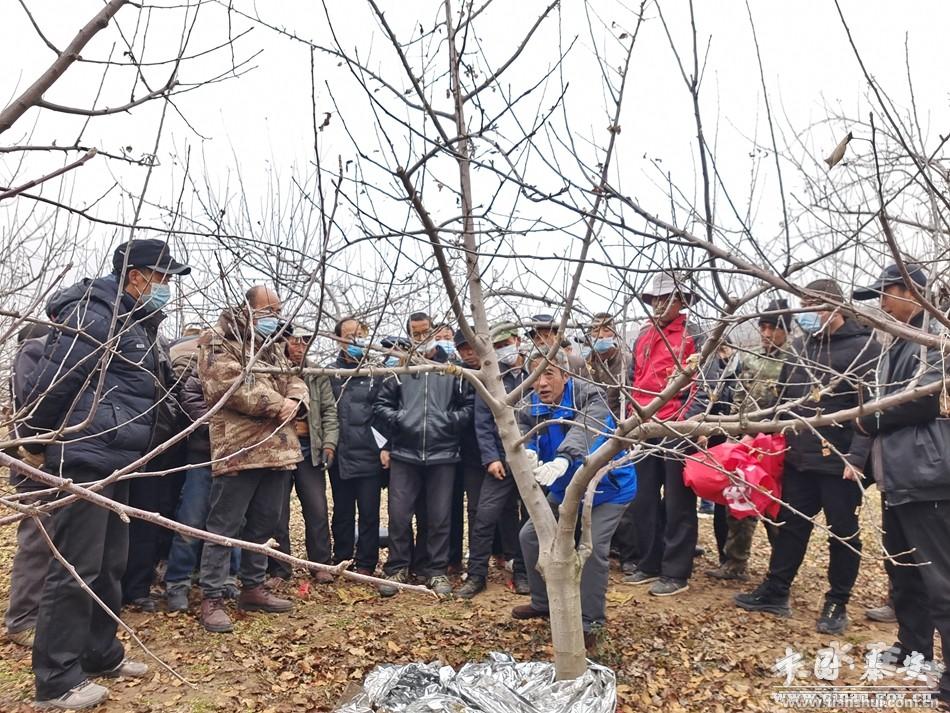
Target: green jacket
x,y
758,383
322,419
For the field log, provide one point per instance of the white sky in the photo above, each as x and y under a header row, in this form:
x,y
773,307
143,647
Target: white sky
x,y
258,126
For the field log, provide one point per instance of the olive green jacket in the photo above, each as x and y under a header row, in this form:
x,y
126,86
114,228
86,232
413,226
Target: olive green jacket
x,y
321,417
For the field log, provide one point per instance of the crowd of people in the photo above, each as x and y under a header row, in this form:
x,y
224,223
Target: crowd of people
x,y
102,387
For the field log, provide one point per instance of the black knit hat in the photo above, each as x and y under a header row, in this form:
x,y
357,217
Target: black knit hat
x,y
779,321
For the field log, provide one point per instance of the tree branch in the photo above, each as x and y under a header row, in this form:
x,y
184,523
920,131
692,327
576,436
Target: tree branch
x,y
34,93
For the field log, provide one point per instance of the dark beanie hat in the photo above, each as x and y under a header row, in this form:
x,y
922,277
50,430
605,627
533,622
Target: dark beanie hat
x,y
776,320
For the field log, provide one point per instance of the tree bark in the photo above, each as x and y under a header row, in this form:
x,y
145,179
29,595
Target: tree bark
x,y
34,93
561,568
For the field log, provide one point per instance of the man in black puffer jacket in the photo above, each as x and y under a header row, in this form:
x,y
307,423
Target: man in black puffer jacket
x,y
93,403
909,446
424,416
834,367
356,475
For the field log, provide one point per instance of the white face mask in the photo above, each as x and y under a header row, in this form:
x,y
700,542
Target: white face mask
x,y
507,355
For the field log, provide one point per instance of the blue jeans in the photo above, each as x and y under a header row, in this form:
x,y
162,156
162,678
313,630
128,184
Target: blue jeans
x,y
192,510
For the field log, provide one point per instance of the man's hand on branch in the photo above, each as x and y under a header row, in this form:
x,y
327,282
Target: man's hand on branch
x,y
384,459
852,473
496,469
329,455
547,473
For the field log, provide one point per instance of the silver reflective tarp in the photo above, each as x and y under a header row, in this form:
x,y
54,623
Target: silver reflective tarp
x,y
498,685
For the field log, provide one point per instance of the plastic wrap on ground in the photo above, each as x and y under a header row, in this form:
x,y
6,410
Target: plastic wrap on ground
x,y
497,685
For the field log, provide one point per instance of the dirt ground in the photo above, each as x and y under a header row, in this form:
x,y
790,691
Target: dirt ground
x,y
693,652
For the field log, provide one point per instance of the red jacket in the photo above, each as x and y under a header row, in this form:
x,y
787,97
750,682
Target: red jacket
x,y
656,353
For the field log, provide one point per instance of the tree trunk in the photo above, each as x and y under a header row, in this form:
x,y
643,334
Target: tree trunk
x,y
561,569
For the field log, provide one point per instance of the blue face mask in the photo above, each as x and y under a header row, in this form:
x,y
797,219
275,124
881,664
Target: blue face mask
x,y
585,352
266,326
604,344
357,349
157,297
810,322
391,362
446,345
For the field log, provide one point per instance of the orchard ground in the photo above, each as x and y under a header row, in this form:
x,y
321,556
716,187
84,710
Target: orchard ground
x,y
691,652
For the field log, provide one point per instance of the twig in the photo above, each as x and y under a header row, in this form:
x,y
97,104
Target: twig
x,y
58,172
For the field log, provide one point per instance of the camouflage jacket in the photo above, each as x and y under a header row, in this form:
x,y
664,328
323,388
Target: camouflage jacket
x,y
246,432
758,386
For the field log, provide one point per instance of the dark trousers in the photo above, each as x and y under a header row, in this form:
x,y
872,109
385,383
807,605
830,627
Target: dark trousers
x,y
809,494
185,552
310,482
351,495
30,565
144,538
921,593
721,529
167,505
625,538
497,508
407,481
246,506
419,546
74,636
667,527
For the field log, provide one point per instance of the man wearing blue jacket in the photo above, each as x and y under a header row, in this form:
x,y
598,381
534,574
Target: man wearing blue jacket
x,y
561,450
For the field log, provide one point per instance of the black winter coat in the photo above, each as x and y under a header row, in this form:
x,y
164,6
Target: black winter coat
x,y
490,446
424,416
852,353
468,441
913,457
357,454
194,406
118,423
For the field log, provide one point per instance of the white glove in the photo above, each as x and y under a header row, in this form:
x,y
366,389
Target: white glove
x,y
532,458
547,473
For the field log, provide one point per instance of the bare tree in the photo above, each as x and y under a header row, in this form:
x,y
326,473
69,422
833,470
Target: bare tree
x,y
480,194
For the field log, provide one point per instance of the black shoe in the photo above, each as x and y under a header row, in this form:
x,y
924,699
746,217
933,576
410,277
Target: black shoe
x,y
176,599
668,587
833,619
638,576
699,551
144,604
473,585
628,567
763,598
521,584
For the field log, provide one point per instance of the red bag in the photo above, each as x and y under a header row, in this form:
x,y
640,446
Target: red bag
x,y
754,461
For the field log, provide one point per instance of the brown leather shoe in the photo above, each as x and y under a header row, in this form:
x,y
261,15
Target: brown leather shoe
x,y
214,618
321,576
526,611
259,599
